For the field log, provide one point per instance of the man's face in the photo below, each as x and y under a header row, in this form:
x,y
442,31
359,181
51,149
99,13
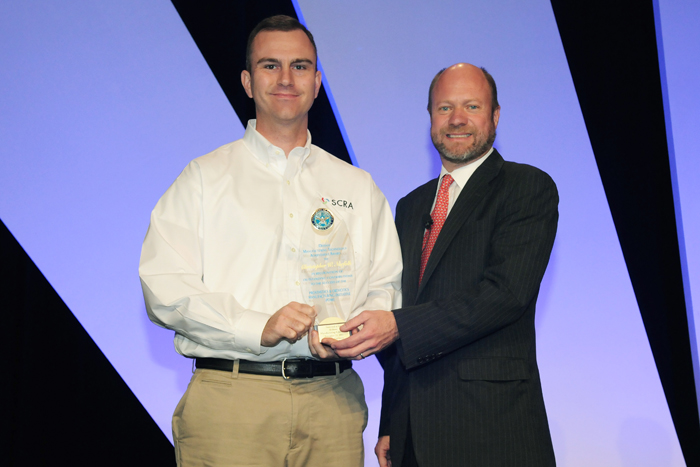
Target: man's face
x,y
283,80
463,127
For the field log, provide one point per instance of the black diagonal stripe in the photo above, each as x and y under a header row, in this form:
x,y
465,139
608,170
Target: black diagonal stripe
x,y
62,399
220,29
612,54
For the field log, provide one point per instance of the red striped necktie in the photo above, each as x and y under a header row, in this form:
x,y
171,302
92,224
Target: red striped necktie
x,y
438,216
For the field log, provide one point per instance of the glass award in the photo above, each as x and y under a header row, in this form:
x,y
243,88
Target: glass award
x,y
328,271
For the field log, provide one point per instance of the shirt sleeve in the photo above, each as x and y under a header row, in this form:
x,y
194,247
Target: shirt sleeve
x,y
385,264
172,279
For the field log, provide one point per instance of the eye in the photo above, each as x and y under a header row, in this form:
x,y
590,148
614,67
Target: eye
x,y
299,67
472,107
443,108
270,66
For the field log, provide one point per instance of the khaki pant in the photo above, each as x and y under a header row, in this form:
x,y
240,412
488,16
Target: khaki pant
x,y
231,419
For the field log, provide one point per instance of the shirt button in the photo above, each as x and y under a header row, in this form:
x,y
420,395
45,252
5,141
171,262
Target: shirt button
x,y
248,350
294,250
291,215
297,282
277,152
288,182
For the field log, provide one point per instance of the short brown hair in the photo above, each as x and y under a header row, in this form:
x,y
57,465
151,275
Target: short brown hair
x,y
276,23
489,79
432,86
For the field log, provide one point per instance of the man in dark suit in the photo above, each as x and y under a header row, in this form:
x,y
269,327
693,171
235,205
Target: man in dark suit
x,y
461,383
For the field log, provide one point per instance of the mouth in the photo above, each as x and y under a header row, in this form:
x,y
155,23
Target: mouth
x,y
458,136
283,95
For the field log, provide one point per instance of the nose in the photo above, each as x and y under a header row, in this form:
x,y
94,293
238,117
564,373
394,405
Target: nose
x,y
458,117
285,77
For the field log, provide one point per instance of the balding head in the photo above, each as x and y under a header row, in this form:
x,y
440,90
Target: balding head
x,y
466,66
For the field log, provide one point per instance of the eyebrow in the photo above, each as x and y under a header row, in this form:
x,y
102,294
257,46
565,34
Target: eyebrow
x,y
302,60
278,62
469,101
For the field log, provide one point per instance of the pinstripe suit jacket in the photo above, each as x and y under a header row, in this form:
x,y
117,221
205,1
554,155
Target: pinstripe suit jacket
x,y
464,367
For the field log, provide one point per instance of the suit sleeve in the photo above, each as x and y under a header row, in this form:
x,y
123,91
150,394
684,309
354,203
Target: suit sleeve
x,y
519,246
394,375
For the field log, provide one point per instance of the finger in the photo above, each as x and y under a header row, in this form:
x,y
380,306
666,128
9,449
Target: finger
x,y
295,328
306,310
328,341
353,353
321,351
326,352
319,348
354,322
347,353
290,335
291,332
313,343
348,342
359,352
299,322
381,456
298,309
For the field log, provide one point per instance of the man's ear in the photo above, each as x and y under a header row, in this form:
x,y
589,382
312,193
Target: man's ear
x,y
496,115
318,79
247,82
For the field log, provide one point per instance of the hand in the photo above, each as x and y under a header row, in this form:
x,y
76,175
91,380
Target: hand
x,y
377,330
290,323
382,452
319,350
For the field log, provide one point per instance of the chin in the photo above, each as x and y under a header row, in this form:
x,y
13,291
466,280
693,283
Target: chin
x,y
458,150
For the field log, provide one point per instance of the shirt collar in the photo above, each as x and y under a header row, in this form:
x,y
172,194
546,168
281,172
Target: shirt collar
x,y
462,174
268,153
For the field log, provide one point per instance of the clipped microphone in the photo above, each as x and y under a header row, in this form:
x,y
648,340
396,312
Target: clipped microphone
x,y
427,221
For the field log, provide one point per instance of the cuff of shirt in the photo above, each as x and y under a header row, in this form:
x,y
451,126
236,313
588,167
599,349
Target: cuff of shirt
x,y
249,329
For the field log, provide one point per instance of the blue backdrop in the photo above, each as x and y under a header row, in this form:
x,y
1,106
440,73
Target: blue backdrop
x,y
104,103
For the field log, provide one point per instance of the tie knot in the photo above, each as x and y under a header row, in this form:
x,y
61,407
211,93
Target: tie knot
x,y
446,182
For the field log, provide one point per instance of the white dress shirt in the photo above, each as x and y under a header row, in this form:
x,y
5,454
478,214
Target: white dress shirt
x,y
222,253
461,176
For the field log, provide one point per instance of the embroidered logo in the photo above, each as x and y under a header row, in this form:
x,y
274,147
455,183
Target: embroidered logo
x,y
341,203
322,219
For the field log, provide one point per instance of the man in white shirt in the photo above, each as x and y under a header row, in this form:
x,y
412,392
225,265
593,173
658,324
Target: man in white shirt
x,y
221,265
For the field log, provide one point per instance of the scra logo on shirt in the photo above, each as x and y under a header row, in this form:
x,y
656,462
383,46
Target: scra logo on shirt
x,y
341,203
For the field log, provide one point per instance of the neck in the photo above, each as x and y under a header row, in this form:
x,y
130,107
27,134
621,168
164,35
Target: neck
x,y
286,136
452,166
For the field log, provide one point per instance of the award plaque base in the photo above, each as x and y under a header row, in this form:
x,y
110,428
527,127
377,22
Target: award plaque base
x,y
330,327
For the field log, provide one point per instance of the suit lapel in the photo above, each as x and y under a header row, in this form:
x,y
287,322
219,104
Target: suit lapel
x,y
470,197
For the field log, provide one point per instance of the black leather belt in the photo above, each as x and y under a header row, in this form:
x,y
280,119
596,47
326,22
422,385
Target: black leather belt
x,y
286,368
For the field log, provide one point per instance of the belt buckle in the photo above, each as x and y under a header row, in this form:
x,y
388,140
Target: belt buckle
x,y
283,374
